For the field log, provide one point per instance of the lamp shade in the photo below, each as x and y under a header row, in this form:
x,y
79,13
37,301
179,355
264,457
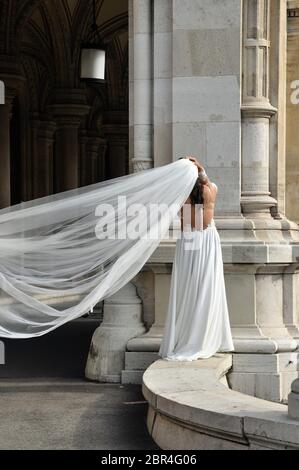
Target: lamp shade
x,y
93,63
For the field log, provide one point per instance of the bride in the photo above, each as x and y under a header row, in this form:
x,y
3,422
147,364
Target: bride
x,y
197,322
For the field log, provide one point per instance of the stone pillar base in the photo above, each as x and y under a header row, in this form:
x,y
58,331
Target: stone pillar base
x,y
149,342
266,376
122,321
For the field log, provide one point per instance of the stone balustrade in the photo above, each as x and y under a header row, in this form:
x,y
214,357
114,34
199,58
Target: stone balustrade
x,y
192,407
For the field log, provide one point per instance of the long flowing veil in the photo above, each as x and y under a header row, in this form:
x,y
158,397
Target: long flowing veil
x,y
61,254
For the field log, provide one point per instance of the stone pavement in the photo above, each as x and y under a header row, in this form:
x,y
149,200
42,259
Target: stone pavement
x,y
72,414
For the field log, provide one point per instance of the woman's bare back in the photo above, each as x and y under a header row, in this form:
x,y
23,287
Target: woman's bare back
x,y
209,196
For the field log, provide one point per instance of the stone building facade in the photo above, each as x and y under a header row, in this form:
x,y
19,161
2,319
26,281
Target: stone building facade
x,y
212,78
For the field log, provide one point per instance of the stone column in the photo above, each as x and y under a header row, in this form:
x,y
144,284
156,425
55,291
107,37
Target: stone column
x,y
106,359
278,98
265,325
11,76
131,87
84,167
118,155
292,134
67,153
5,116
43,139
151,49
162,40
96,150
68,108
140,20
116,134
256,110
92,157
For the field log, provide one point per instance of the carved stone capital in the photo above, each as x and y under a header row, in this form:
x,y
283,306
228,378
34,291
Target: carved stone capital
x,y
94,143
44,128
68,115
68,106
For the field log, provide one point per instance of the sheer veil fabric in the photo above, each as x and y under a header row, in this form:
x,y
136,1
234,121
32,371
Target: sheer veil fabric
x,y
57,261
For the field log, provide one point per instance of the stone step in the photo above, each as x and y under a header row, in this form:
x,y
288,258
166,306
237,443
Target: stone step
x,y
132,377
136,362
139,360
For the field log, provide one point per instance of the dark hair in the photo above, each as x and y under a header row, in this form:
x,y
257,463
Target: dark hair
x,y
196,194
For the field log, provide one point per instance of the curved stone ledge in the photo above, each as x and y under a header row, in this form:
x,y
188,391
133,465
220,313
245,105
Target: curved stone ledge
x,y
191,407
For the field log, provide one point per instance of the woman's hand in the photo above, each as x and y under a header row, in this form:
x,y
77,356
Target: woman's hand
x,y
194,160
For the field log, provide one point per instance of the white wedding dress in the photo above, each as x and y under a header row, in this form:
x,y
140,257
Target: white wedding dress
x,y
197,323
